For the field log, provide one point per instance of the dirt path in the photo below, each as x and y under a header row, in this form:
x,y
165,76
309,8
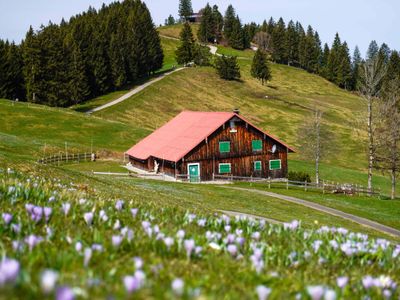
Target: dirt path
x,y
362,221
133,92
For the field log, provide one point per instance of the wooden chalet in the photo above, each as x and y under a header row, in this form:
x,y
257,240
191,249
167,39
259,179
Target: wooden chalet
x,y
205,145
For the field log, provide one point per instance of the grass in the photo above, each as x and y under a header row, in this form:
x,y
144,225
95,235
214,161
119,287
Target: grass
x,y
288,260
175,30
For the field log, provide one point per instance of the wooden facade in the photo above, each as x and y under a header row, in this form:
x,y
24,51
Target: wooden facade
x,y
241,157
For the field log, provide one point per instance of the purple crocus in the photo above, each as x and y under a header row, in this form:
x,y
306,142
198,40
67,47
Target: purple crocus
x,y
78,246
32,240
9,271
342,281
119,205
47,213
134,212
177,286
131,283
65,293
138,263
316,292
232,249
87,256
7,218
168,241
263,292
189,247
368,282
16,228
116,240
48,280
66,207
88,218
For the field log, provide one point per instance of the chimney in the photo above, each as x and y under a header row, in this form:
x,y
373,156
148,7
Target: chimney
x,y
236,111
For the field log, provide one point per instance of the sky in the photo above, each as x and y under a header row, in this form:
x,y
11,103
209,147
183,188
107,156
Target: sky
x,y
357,21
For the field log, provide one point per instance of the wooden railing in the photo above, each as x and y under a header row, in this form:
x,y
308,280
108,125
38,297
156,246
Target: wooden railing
x,y
67,158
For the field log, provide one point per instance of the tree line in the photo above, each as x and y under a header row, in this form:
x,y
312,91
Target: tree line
x,y
289,44
93,53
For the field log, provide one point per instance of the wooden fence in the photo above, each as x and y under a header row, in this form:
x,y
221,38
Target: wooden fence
x,y
66,158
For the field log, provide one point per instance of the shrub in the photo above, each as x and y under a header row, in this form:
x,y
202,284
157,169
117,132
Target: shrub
x,y
299,176
227,67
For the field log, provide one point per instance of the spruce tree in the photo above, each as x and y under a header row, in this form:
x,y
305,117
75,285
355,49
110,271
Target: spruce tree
x,y
292,44
227,67
3,67
236,39
324,62
229,22
218,23
260,68
185,9
392,74
372,51
79,89
15,85
279,42
356,63
334,59
271,26
206,31
264,26
170,21
344,75
185,51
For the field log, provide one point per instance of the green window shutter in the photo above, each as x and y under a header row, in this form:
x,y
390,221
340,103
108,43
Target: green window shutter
x,y
257,166
257,145
224,168
275,164
224,147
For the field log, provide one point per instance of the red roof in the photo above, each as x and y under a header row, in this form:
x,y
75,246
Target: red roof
x,y
183,133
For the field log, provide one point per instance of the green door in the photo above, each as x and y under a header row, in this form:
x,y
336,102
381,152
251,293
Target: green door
x,y
194,172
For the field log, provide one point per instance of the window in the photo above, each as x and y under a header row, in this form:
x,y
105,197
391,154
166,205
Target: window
x,y
257,145
257,166
224,147
275,164
224,168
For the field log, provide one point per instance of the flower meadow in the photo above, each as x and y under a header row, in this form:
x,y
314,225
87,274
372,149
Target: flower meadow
x,y
61,242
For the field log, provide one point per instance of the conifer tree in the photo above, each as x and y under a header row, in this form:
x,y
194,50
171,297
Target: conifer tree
x,y
14,79
185,51
218,23
372,51
229,22
271,26
334,59
227,67
185,9
260,68
170,21
344,75
279,42
356,63
292,44
79,89
324,61
236,39
206,31
264,26
392,75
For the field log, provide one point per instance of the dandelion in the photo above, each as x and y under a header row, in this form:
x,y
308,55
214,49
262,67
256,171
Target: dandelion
x,y
116,240
177,286
263,292
48,281
7,218
316,292
88,218
9,270
65,293
342,281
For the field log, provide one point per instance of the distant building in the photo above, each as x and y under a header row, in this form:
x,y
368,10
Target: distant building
x,y
203,145
196,17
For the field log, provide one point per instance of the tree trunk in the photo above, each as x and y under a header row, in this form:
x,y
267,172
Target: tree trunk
x,y
393,194
370,146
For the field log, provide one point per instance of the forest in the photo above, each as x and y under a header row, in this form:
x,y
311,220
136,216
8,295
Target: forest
x,y
93,53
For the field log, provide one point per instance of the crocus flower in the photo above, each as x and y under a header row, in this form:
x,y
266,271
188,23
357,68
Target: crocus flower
x,y
342,281
16,228
263,292
134,212
117,225
7,218
177,286
168,241
368,282
48,281
131,283
316,292
47,213
78,246
140,276
65,207
138,263
330,295
189,246
119,205
9,270
256,235
116,240
32,240
88,218
87,256
232,249
180,234
65,293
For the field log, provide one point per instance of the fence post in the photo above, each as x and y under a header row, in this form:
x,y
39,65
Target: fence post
x,y
287,184
305,185
323,187
269,183
213,176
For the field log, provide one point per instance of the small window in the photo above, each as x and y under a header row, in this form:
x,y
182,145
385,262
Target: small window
x,y
224,168
275,164
257,166
257,145
224,147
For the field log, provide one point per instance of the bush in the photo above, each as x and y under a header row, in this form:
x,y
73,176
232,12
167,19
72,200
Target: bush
x,y
227,67
202,55
299,176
